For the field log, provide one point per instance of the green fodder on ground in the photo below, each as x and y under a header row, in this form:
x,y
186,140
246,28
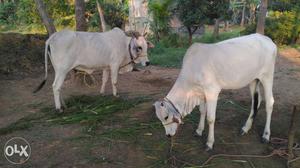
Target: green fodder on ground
x,y
85,110
125,132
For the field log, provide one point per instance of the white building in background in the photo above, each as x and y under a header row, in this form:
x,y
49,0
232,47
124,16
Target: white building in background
x,y
139,17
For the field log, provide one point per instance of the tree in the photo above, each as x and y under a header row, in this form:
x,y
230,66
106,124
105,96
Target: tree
x,y
262,17
45,18
101,15
161,17
252,10
192,14
243,14
80,15
217,10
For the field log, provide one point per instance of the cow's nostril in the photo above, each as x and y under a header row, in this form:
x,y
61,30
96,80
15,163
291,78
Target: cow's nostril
x,y
147,63
169,136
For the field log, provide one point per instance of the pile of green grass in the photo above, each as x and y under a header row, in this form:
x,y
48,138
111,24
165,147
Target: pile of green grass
x,y
88,111
83,109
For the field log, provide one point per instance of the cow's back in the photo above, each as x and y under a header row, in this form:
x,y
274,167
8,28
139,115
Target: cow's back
x,y
86,49
233,62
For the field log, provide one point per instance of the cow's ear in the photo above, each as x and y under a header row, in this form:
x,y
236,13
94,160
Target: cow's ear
x,y
133,34
150,45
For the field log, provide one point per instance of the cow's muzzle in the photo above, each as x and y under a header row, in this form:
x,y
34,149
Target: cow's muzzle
x,y
147,63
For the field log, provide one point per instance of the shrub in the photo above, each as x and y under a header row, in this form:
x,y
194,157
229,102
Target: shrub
x,y
7,12
174,40
161,17
282,27
26,13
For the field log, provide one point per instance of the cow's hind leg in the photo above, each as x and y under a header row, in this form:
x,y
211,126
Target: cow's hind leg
x,y
256,100
58,82
201,125
268,85
104,80
62,101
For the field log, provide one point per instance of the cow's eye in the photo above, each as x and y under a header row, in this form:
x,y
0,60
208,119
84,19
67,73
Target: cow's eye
x,y
166,118
139,48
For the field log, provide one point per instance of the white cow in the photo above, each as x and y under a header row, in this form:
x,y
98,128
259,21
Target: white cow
x,y
86,51
208,68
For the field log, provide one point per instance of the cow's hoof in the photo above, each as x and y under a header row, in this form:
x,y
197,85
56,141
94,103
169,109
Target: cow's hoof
x,y
198,133
59,111
208,149
117,96
265,140
242,132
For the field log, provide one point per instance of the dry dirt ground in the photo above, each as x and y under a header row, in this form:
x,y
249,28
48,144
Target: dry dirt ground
x,y
55,145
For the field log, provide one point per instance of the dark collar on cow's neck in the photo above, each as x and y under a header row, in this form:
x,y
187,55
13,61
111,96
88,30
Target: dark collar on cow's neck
x,y
174,107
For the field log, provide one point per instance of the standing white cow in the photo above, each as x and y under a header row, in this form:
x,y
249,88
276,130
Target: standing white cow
x,y
208,68
86,51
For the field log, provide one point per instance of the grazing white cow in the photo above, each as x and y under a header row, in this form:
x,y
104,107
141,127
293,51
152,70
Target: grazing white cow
x,y
86,51
208,68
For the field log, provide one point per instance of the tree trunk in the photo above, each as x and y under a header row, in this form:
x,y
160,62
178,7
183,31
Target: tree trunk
x,y
262,17
216,28
102,20
292,131
45,18
79,15
190,35
252,13
243,14
226,25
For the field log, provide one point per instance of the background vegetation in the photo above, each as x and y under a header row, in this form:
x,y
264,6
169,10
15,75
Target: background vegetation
x,y
219,20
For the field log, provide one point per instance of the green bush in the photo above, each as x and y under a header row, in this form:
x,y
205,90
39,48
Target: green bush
x,y
282,27
7,12
174,40
161,17
26,13
115,12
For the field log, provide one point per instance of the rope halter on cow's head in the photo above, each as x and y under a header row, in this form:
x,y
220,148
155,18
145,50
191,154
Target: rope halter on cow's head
x,y
137,48
176,112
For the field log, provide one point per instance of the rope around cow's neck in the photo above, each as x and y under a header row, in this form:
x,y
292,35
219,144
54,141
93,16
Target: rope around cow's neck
x,y
132,59
174,107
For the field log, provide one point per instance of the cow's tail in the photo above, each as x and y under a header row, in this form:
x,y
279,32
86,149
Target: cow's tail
x,y
255,101
47,53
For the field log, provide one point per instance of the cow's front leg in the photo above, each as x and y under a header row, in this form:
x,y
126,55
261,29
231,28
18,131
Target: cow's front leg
x,y
114,79
211,103
201,125
104,80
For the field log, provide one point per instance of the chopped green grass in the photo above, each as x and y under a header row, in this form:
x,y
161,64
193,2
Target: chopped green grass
x,y
86,110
